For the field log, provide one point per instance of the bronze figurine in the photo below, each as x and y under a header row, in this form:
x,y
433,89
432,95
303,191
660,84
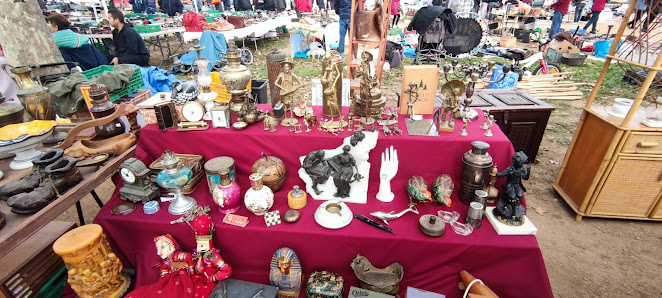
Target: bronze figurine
x,y
509,209
286,83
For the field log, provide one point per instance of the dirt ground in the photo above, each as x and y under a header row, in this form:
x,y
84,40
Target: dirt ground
x,y
592,258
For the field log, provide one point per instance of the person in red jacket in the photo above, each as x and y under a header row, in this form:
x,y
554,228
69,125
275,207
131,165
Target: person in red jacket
x,y
560,9
395,12
598,6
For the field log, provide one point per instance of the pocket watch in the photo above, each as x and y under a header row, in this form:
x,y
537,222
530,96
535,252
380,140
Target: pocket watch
x,y
137,185
193,111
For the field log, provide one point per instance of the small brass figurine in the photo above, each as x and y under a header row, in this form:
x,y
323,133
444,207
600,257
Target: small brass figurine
x,y
465,121
270,122
451,107
329,80
486,117
286,83
286,272
488,132
509,209
370,97
310,120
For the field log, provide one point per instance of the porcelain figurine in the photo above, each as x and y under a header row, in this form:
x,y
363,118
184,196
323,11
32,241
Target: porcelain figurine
x,y
226,194
286,273
385,217
442,189
509,209
258,199
347,166
418,191
387,171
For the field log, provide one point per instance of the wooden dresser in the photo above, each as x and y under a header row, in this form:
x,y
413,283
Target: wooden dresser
x,y
522,117
613,167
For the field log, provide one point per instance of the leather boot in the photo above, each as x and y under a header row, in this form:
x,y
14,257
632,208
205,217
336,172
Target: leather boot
x,y
60,177
31,180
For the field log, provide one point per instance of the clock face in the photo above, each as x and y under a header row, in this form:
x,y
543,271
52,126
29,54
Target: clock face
x,y
193,111
127,175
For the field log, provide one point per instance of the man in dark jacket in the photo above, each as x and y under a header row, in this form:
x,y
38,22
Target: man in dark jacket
x,y
343,9
129,45
171,7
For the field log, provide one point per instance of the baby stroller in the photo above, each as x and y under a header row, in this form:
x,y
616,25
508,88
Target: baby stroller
x,y
432,23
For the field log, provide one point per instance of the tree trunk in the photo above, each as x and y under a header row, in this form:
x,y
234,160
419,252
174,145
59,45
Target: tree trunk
x,y
25,36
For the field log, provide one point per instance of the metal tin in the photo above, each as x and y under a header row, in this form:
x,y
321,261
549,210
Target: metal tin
x,y
214,166
474,215
431,225
274,58
151,207
480,196
475,167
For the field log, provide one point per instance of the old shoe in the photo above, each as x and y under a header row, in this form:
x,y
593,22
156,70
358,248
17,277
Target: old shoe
x,y
31,180
60,176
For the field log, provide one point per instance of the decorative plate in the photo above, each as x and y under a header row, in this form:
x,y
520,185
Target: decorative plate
x,y
16,133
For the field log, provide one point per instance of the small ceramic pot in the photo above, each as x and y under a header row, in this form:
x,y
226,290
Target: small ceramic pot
x,y
258,199
621,107
226,194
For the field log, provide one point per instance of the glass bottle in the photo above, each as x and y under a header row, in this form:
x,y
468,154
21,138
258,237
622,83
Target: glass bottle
x,y
258,199
226,194
174,177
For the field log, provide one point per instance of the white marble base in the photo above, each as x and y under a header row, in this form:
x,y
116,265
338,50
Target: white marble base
x,y
358,189
503,229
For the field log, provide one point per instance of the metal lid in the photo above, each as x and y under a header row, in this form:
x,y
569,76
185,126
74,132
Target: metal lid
x,y
216,164
479,147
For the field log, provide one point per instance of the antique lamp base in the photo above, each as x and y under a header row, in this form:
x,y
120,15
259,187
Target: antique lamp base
x,y
289,122
333,124
423,127
181,204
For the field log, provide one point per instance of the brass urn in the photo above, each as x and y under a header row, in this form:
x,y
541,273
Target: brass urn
x,y
235,77
35,98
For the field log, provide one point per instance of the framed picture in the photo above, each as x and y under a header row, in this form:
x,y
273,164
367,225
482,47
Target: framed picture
x,y
220,116
166,115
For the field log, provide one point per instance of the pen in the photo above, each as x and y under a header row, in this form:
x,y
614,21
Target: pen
x,y
373,223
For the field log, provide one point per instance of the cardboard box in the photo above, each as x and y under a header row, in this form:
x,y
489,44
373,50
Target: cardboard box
x,y
426,78
563,46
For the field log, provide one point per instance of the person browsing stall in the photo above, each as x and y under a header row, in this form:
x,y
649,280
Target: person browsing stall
x,y
64,37
130,47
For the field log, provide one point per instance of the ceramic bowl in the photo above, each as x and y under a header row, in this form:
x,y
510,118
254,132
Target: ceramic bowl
x,y
621,107
16,133
333,215
239,125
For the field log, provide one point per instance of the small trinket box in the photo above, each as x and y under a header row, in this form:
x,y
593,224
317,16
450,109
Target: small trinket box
x,y
151,207
324,284
297,198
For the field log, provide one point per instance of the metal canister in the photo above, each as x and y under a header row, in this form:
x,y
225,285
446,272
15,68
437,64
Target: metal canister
x,y
474,215
335,59
475,167
480,196
274,58
212,168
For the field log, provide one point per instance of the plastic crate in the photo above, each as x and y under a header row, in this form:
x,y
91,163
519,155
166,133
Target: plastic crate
x,y
134,84
210,19
212,11
55,286
156,15
147,28
133,15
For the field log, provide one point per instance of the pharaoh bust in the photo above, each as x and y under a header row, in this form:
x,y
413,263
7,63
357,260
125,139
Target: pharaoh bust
x,y
286,273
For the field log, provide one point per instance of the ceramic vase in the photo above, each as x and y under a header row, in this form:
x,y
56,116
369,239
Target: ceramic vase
x,y
226,194
258,199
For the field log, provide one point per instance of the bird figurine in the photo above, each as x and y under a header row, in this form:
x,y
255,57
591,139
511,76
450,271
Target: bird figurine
x,y
442,189
418,191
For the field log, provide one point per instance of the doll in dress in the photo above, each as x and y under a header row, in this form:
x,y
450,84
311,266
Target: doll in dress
x,y
177,276
207,258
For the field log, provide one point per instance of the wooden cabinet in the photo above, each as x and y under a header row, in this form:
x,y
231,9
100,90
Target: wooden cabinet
x,y
522,117
613,167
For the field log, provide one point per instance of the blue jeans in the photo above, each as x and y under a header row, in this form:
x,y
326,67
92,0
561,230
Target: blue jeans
x,y
593,21
556,24
344,27
578,11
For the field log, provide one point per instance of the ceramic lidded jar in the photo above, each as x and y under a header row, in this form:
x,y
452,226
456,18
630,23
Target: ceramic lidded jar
x,y
226,194
258,199
272,170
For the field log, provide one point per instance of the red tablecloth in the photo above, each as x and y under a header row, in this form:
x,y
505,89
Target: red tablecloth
x,y
512,265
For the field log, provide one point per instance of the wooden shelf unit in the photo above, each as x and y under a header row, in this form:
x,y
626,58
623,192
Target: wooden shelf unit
x,y
354,61
613,167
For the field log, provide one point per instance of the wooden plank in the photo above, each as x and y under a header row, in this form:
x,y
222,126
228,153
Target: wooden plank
x,y
13,234
23,253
